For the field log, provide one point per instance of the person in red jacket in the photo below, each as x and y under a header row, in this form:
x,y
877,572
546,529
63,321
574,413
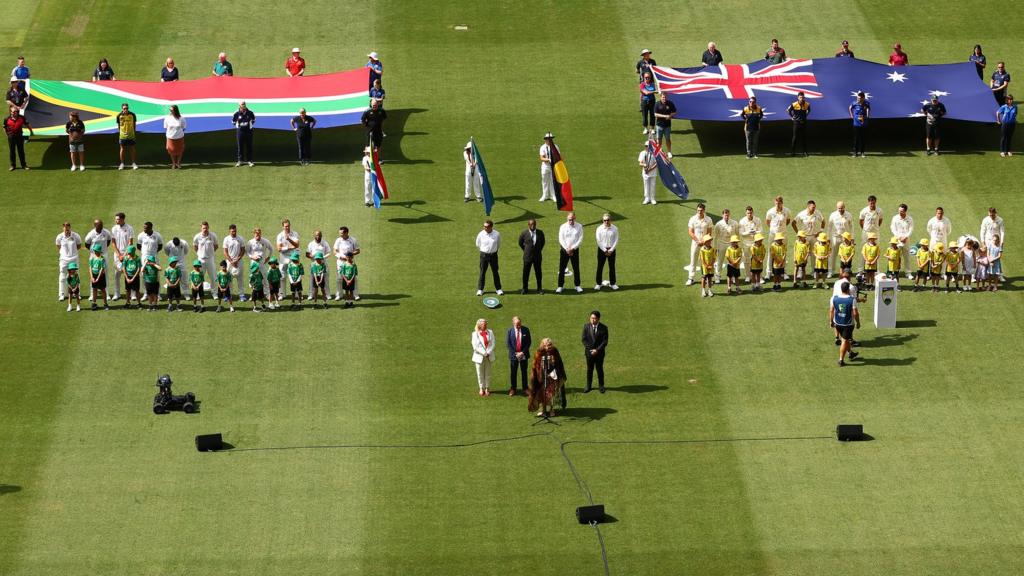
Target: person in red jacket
x,y
14,126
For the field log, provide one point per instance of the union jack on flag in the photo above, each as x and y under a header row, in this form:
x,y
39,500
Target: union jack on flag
x,y
737,81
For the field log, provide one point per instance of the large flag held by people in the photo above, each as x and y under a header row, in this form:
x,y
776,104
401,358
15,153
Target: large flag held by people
x,y
481,173
830,85
560,176
337,99
380,187
668,173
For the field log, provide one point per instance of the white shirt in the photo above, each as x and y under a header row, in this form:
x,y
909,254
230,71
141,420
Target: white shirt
x,y
284,247
367,165
810,223
149,244
837,290
902,227
123,235
313,247
488,243
872,218
69,246
778,219
649,163
545,152
750,226
938,230
258,249
467,155
174,127
607,237
839,223
205,245
343,246
989,227
570,236
724,229
700,226
102,237
180,251
234,246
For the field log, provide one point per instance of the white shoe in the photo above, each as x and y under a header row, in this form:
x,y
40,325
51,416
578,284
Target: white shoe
x,y
237,164
501,292
479,292
337,296
358,298
558,290
81,168
645,202
644,131
669,154
251,164
541,199
310,297
615,286
654,202
689,282
579,288
710,293
785,276
120,166
69,307
232,308
597,287
73,168
910,276
78,307
135,166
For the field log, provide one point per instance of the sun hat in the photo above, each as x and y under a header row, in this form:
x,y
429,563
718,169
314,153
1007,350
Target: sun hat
x,y
197,263
318,255
923,242
847,236
254,266
801,234
758,236
273,260
734,238
645,51
151,258
294,50
780,236
72,265
173,260
822,236
372,55
295,256
706,238
97,247
872,236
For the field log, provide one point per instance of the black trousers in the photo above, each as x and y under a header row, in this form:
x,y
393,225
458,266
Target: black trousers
x,y
1005,136
858,139
488,260
375,139
595,362
305,146
799,135
17,144
520,367
601,258
244,145
564,259
536,266
647,113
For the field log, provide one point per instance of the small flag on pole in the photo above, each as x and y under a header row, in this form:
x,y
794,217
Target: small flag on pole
x,y
380,187
670,177
481,173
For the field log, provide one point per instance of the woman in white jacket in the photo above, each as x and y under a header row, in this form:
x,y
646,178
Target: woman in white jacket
x,y
483,355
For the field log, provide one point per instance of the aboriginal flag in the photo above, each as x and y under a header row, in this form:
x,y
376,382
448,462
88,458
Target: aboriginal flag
x,y
563,187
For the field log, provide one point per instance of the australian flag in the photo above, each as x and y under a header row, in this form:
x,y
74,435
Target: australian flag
x,y
670,177
830,85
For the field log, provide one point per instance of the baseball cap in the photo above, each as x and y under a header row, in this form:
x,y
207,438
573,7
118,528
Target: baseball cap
x,y
780,236
72,265
173,260
131,249
295,256
197,263
294,50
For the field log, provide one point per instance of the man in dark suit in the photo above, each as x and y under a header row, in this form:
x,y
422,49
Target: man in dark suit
x,y
517,339
532,243
595,340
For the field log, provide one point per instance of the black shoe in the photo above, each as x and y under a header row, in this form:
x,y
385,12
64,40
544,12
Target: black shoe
x,y
853,355
841,363
837,342
601,389
855,344
465,200
524,291
587,389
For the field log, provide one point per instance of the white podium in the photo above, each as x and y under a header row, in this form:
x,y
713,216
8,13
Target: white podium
x,y
885,302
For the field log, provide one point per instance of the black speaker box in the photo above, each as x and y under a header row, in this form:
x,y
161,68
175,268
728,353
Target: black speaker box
x,y
850,432
209,442
589,514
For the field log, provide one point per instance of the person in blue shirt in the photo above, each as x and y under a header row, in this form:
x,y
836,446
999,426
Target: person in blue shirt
x,y
1000,82
843,315
647,95
376,68
1006,117
21,72
169,73
860,111
979,60
377,93
933,113
244,121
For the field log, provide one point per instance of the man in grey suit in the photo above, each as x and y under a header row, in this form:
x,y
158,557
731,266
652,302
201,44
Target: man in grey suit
x,y
532,243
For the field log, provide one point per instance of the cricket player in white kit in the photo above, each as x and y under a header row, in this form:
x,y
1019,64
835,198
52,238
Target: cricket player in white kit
x,y
990,226
699,225
870,219
205,244
68,245
723,230
124,236
344,244
839,222
939,227
649,171
367,178
902,228
472,178
234,250
749,226
102,236
547,181
259,250
317,244
287,242
778,218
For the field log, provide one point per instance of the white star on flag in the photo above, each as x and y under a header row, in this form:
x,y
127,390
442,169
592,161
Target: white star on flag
x,y
925,102
896,77
867,95
938,93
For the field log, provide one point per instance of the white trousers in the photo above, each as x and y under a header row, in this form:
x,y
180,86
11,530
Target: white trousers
x,y
241,280
649,182
905,257
746,243
836,241
472,183
209,269
483,374
547,183
694,264
118,275
62,278
367,188
720,262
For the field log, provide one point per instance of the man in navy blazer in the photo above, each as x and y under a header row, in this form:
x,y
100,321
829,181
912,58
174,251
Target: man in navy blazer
x,y
518,341
595,341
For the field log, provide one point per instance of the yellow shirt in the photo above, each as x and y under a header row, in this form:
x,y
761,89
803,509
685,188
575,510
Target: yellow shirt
x,y
821,254
778,255
923,260
870,254
952,261
846,252
757,253
734,256
895,258
707,260
800,252
938,257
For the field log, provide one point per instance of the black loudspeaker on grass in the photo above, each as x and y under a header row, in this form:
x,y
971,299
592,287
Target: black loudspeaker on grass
x,y
593,514
209,442
850,432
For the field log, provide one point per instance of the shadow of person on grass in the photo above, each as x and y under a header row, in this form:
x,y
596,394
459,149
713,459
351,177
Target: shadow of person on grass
x,y
884,361
887,340
9,489
589,414
638,388
426,218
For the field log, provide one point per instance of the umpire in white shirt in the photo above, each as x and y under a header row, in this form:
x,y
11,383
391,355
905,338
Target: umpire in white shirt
x,y
205,244
259,250
699,225
234,251
124,236
68,244
488,241
570,236
607,242
902,228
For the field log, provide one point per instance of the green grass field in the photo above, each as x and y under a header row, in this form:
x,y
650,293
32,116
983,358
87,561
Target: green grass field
x,y
91,482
